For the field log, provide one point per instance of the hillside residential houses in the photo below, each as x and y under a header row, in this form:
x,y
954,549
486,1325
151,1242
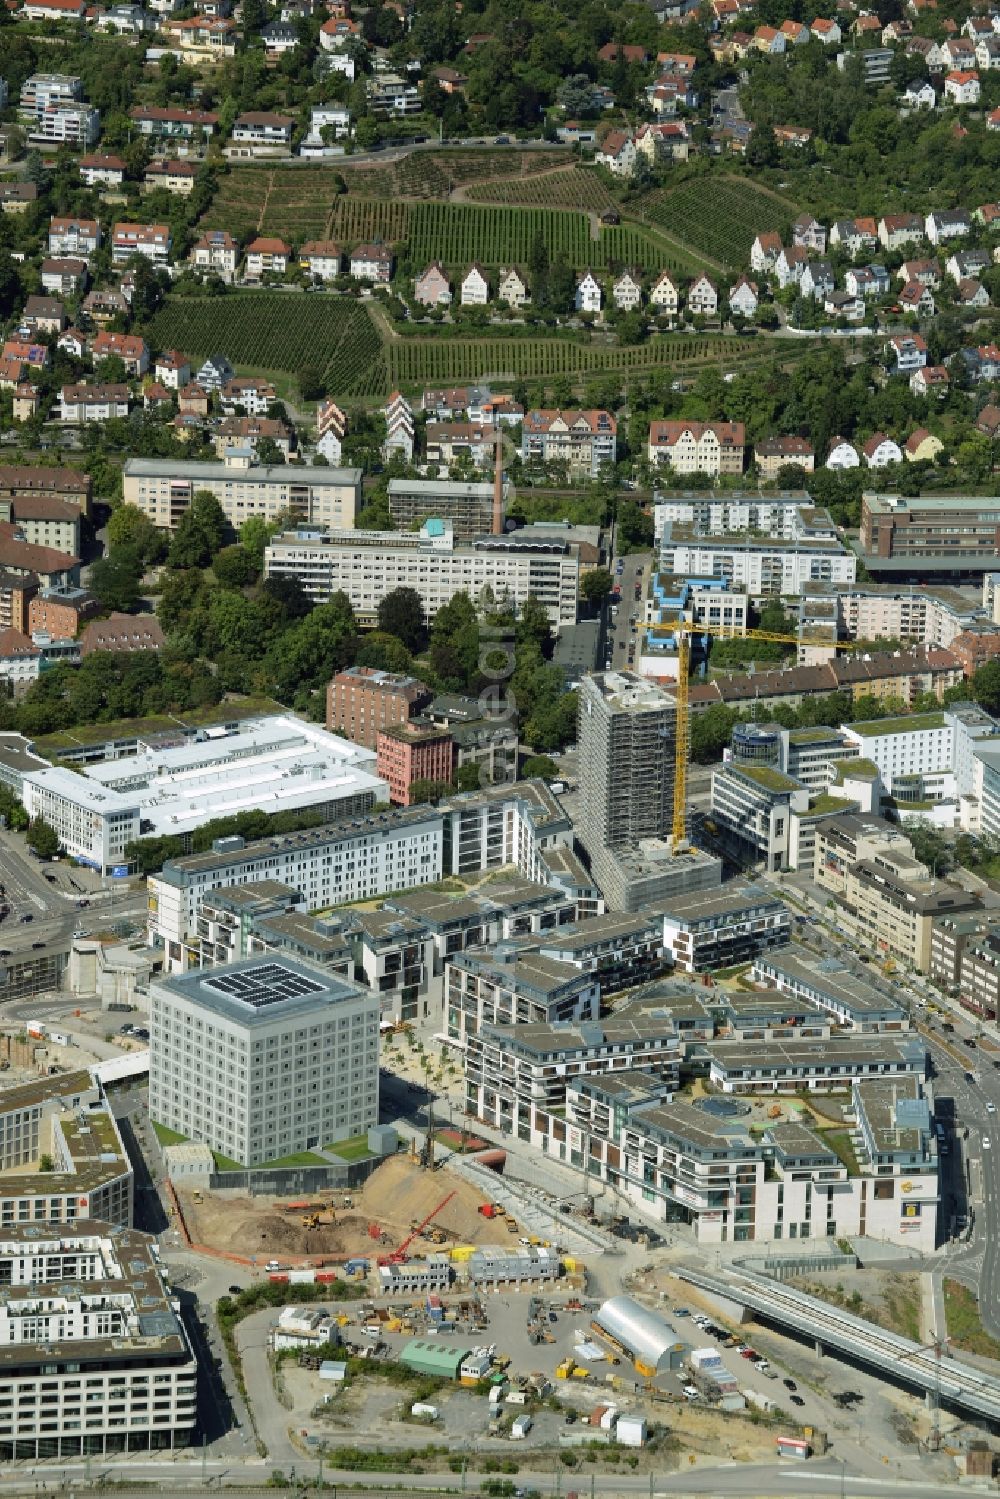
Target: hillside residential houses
x,y
266,256
584,440
216,253
879,451
432,288
75,237
372,261
153,241
589,293
475,287
698,447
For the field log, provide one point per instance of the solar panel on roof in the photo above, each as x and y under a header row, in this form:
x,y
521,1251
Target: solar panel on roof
x,y
268,984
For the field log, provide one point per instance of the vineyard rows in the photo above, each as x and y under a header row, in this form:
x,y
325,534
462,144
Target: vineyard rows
x,y
277,331
411,363
722,223
572,188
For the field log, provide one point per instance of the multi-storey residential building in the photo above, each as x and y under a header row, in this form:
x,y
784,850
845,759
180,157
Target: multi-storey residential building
x,y
163,488
394,955
267,917
515,824
965,958
361,701
698,447
852,999
183,128
761,565
515,1073
366,565
828,1065
262,1058
44,91
95,1358
65,125
777,515
619,949
504,907
66,1119
102,170
92,403
928,534
584,440
359,858
154,241
45,522
69,236
467,506
675,1161
511,986
890,901
22,481
717,928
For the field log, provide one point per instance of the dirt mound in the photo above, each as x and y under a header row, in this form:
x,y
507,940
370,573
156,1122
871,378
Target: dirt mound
x,y
396,1195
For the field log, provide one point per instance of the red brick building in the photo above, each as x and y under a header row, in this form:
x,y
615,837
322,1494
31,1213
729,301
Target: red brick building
x,y
411,752
361,701
975,647
61,611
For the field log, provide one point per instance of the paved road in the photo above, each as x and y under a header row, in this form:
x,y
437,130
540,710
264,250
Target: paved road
x,y
637,567
824,1477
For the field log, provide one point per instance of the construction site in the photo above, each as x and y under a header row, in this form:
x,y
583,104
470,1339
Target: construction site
x,y
402,1208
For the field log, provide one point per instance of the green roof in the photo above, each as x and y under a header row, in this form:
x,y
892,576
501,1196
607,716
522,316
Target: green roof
x,y
866,770
915,724
818,735
823,805
769,779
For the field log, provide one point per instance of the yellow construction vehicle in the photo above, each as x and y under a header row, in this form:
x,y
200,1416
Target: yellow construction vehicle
x,y
683,629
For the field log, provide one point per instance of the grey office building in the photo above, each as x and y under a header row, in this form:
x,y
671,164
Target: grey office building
x,y
264,1057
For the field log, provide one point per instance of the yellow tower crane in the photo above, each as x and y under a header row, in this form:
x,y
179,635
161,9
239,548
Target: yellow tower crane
x,y
684,629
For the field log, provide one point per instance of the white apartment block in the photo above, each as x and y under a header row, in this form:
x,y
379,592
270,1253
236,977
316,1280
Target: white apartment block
x,y
65,125
905,747
672,1160
263,1058
272,764
761,566
520,825
511,986
64,1117
78,237
927,616
515,1070
163,488
44,91
357,859
753,806
94,1356
773,515
366,565
154,241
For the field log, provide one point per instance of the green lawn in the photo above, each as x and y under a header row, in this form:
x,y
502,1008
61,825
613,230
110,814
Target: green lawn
x,y
355,1149
961,1310
298,1158
223,1163
839,1142
167,1136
